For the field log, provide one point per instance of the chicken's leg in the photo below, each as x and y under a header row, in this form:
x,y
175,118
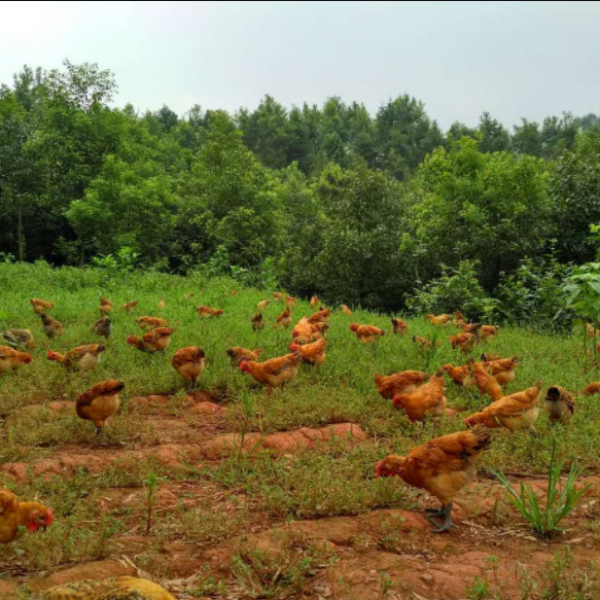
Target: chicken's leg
x,y
447,525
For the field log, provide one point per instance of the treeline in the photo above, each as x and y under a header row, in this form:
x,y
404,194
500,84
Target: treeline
x,y
360,208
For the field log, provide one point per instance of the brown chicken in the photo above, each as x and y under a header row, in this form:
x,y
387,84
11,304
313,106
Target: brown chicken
x,y
258,323
320,317
515,412
122,588
106,306
40,306
150,323
485,357
278,297
100,403
314,302
11,360
312,354
206,312
14,515
157,340
162,305
560,405
52,327
502,369
103,327
400,383
367,334
465,342
19,339
275,372
399,327
592,390
130,306
441,320
290,301
485,382
423,344
346,310
239,355
443,467
488,332
461,376
428,400
262,306
318,331
592,332
459,319
285,318
83,358
302,333
189,363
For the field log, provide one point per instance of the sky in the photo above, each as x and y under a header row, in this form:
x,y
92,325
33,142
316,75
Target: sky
x,y
511,58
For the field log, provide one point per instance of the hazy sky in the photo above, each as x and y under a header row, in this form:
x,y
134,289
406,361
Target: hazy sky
x,y
510,58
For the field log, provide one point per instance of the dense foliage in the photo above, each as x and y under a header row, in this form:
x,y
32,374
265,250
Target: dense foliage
x,y
361,208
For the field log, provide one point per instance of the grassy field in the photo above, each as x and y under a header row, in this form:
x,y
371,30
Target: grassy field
x,y
103,513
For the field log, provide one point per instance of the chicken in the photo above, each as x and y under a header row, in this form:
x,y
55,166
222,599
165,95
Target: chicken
x,y
441,320
399,327
592,390
485,357
303,331
312,354
103,327
367,334
162,305
189,363
106,306
157,340
290,301
461,376
262,306
84,358
15,514
592,331
122,588
320,317
443,467
130,306
239,355
318,331
423,344
400,383
100,403
19,339
560,405
150,323
486,383
519,411
277,297
459,320
285,318
502,369
11,360
488,332
206,312
275,372
465,342
314,302
52,327
428,400
40,306
346,310
258,323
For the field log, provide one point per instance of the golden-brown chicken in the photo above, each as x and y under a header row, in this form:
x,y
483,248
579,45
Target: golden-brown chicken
x,y
14,515
465,342
262,306
441,320
560,405
130,306
346,310
150,323
485,382
275,372
302,333
100,403
312,354
399,327
399,383
11,360
443,467
52,327
592,390
106,306
290,301
258,323
503,369
459,319
157,340
423,344
515,412
367,334
461,376
83,358
162,305
122,588
318,331
189,363
486,357
285,318
320,317
278,297
40,306
592,332
239,355
488,332
428,400
314,302
206,312
19,339
103,327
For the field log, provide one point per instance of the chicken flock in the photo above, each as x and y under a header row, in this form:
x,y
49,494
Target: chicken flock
x,y
443,466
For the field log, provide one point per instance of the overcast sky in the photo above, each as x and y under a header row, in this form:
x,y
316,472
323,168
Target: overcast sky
x,y
510,58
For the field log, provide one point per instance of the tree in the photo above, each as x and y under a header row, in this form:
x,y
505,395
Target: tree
x,y
458,131
494,137
527,138
558,135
